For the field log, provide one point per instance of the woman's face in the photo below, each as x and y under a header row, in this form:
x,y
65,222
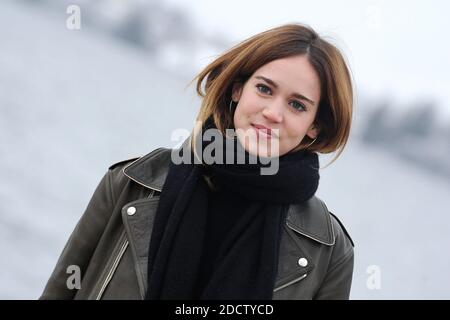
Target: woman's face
x,y
283,96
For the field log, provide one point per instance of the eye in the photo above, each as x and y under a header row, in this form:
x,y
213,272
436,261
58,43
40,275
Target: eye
x,y
259,86
298,106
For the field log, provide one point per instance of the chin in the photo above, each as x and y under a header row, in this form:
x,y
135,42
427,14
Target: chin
x,y
265,149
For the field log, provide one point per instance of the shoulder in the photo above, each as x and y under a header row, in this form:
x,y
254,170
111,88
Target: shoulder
x,y
342,249
149,170
118,166
115,173
342,239
340,228
314,220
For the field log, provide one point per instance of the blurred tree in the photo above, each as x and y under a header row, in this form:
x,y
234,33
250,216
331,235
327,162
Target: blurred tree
x,y
132,29
418,121
376,128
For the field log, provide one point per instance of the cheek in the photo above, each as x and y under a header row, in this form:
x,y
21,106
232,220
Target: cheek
x,y
239,118
243,111
249,103
296,130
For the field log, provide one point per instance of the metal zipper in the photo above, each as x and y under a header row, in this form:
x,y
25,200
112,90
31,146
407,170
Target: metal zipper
x,y
113,268
290,282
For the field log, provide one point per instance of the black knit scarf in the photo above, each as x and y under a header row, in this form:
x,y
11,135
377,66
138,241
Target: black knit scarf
x,y
246,260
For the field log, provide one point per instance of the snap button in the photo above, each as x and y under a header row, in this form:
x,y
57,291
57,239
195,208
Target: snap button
x,y
302,262
131,211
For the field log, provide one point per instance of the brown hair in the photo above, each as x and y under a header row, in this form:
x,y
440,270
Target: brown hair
x,y
334,114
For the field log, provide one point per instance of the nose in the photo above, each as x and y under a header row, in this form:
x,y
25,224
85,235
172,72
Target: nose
x,y
273,112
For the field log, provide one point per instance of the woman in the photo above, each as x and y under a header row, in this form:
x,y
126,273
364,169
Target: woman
x,y
205,221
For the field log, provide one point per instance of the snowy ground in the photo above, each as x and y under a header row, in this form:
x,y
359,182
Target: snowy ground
x,y
74,102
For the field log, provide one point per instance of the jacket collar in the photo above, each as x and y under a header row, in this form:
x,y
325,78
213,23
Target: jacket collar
x,y
310,218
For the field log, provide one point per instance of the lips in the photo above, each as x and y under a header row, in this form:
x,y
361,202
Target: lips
x,y
262,130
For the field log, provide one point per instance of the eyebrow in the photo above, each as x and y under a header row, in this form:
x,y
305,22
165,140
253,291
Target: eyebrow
x,y
295,94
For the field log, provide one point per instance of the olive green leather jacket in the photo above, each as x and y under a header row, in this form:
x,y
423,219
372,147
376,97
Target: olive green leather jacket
x,y
110,243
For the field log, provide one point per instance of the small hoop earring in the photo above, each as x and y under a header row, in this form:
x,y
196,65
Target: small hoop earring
x,y
310,143
231,106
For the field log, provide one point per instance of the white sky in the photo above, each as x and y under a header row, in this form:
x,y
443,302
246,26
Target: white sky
x,y
397,49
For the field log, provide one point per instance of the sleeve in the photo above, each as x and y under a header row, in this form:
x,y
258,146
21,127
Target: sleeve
x,y
82,242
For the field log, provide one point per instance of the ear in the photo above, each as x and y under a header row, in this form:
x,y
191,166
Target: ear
x,y
313,131
236,91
